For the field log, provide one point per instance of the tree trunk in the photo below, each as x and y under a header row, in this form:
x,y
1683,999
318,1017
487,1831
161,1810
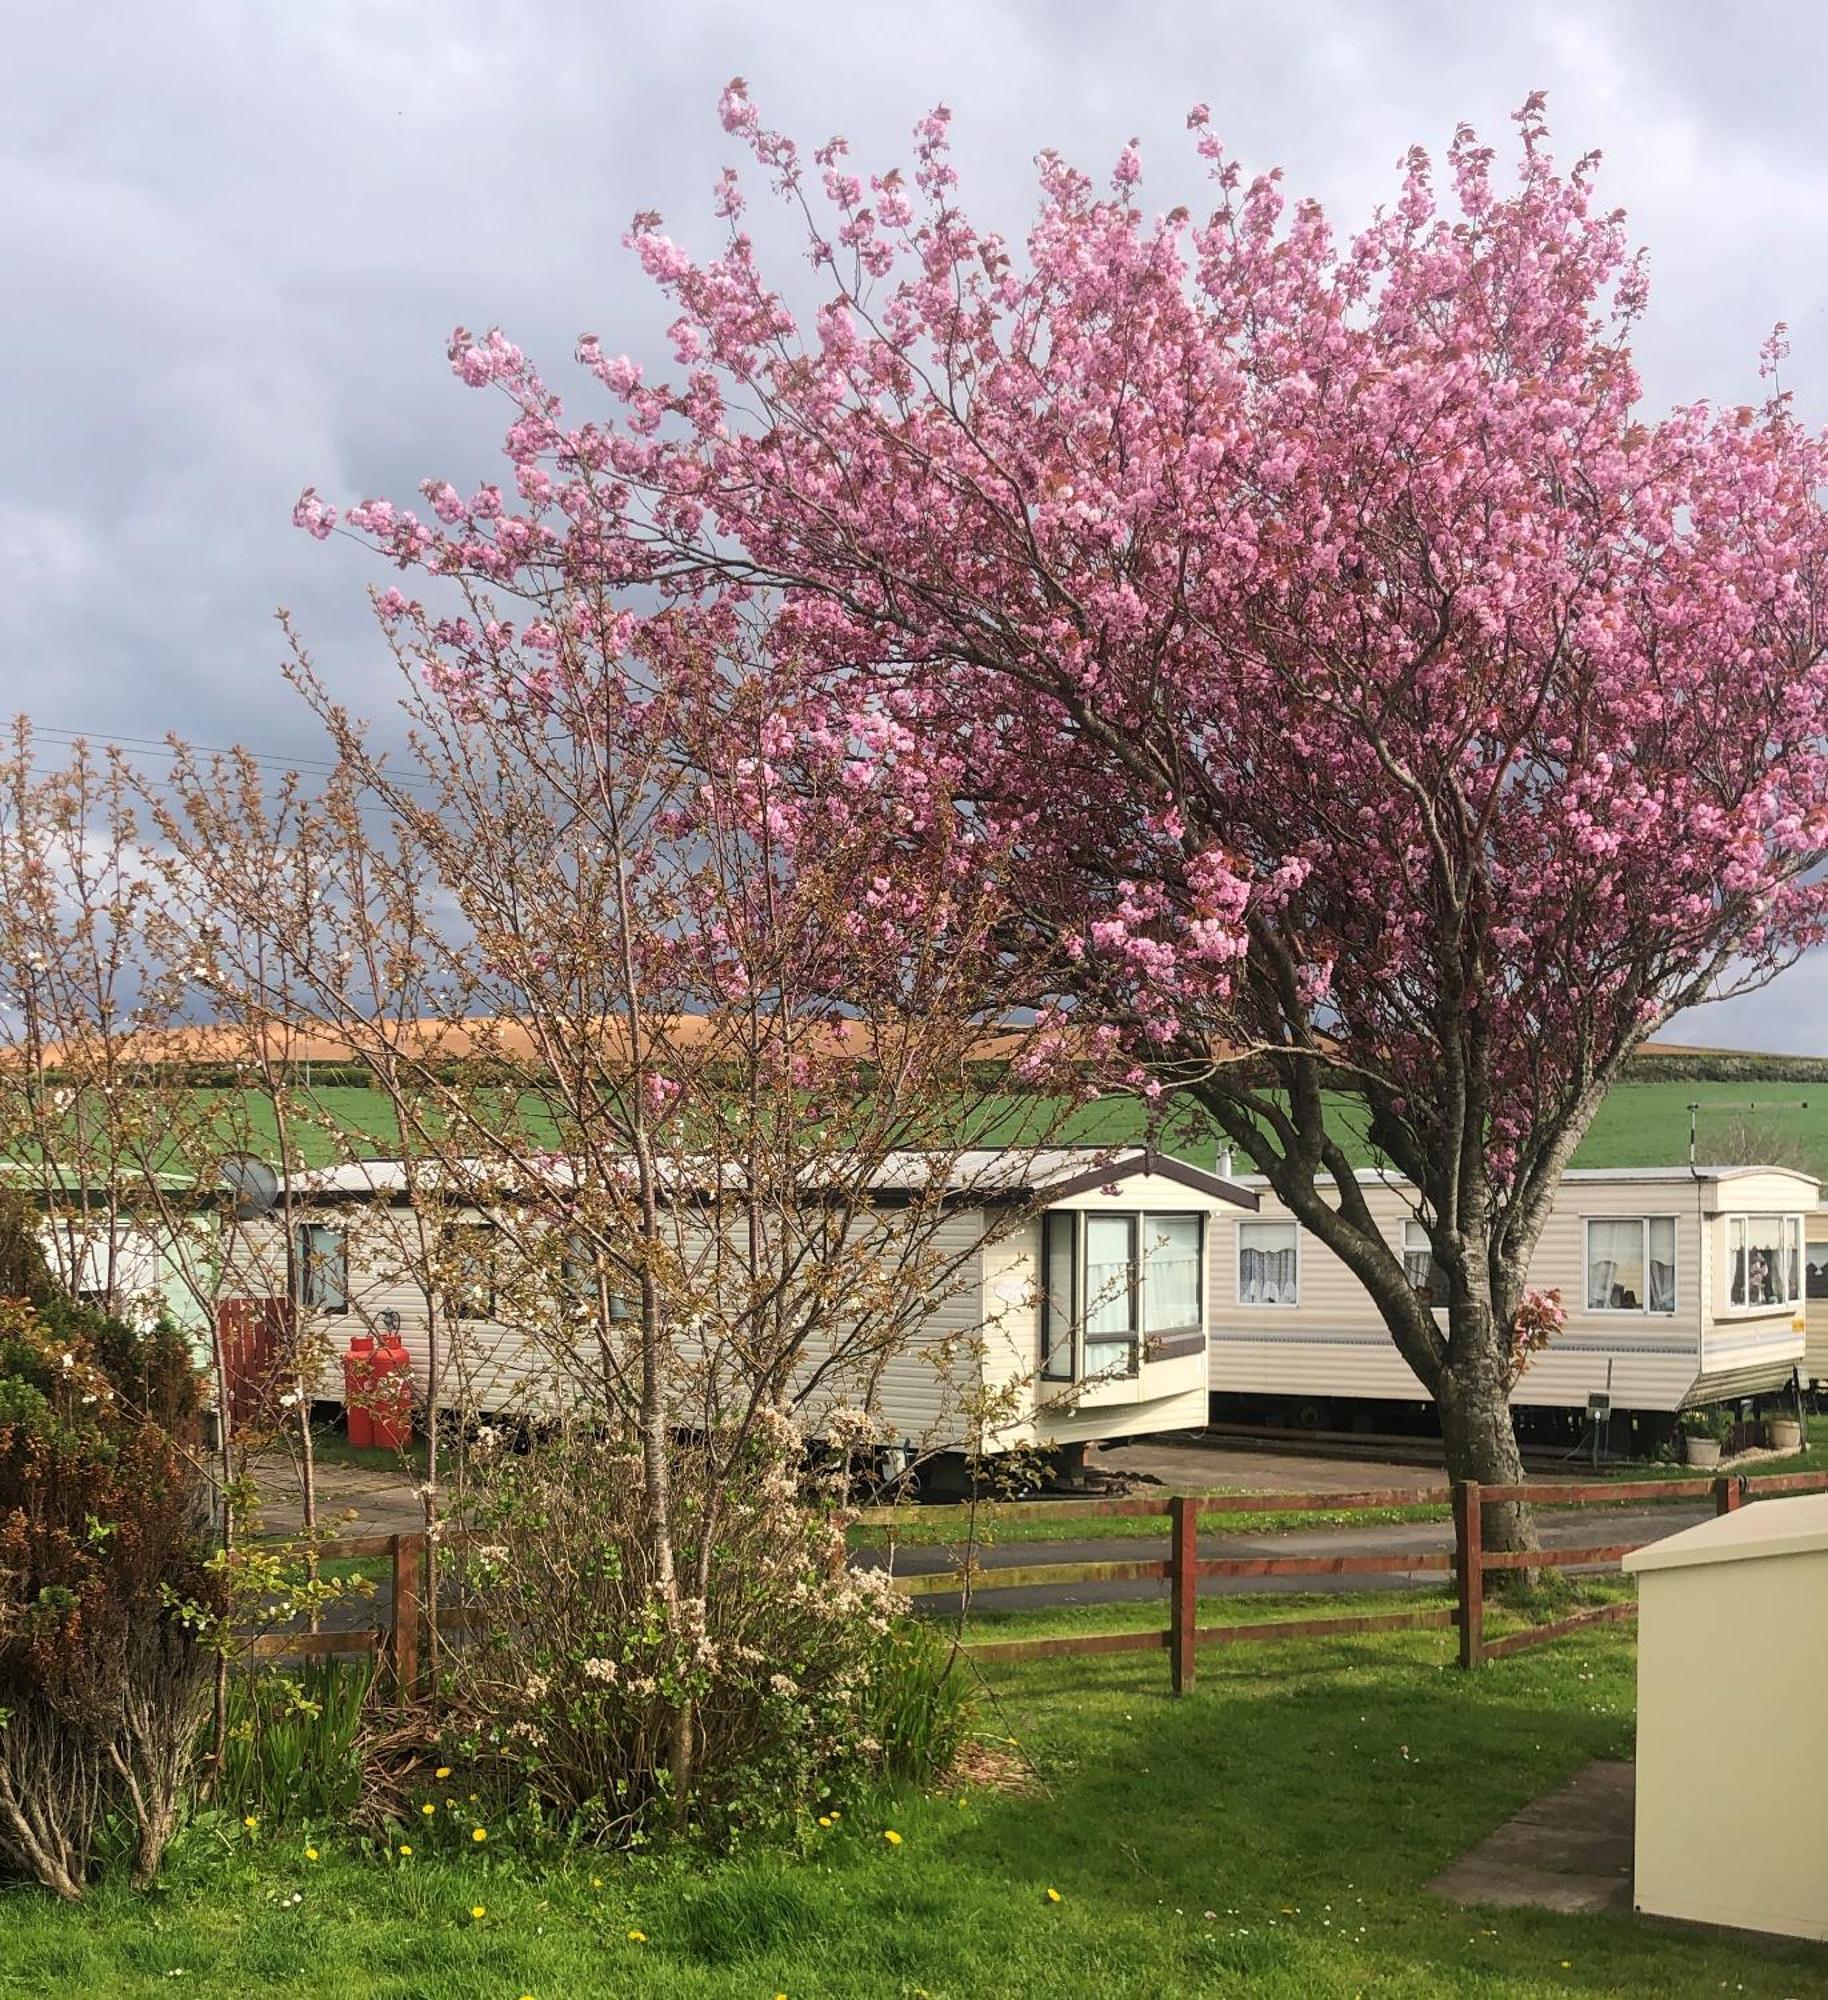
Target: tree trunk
x,y
1476,1430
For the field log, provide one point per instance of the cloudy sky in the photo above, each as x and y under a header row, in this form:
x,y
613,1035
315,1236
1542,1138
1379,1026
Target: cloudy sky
x,y
234,237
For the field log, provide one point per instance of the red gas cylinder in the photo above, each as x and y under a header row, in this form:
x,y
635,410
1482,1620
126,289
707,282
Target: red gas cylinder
x,y
391,1398
358,1388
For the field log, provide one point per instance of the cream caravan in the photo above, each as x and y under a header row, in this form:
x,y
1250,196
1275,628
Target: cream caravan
x,y
1080,1293
1681,1286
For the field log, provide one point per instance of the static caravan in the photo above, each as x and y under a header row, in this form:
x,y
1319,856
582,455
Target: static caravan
x,y
1680,1287
137,1252
1079,1297
1815,1286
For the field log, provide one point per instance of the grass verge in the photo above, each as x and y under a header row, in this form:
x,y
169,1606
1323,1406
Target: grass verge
x,y
1271,1835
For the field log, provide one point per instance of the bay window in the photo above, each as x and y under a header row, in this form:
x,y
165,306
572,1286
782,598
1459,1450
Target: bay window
x,y
1764,1259
1112,1285
1631,1264
1269,1264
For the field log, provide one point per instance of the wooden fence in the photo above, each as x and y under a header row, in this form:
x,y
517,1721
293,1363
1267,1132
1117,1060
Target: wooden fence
x,y
398,1637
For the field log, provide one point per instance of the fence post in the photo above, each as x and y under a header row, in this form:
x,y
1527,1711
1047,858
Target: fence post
x,y
408,1558
1469,1571
1183,1588
1728,1493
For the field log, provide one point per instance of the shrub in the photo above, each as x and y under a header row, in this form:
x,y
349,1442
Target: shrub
x,y
742,1700
106,1588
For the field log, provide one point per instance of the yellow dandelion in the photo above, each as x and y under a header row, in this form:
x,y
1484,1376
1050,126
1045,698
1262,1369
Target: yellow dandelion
x,y
251,1822
892,1837
428,1810
596,1881
825,1819
1053,1895
637,1937
404,1849
443,1771
310,1853
478,1911
479,1833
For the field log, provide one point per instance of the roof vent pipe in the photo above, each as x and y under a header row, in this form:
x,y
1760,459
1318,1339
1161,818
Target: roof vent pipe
x,y
1225,1163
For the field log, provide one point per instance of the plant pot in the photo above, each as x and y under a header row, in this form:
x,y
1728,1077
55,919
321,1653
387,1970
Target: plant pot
x,y
1784,1433
1700,1452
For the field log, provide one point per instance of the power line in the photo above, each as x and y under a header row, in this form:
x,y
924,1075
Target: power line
x,y
269,759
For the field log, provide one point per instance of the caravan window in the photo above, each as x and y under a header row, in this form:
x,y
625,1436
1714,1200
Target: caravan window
x,y
1815,1270
320,1268
579,1274
1631,1264
1419,1264
1269,1264
469,1269
1060,1292
1108,1280
1764,1259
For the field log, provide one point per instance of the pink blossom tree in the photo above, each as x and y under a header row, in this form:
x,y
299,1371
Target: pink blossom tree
x,y
1388,717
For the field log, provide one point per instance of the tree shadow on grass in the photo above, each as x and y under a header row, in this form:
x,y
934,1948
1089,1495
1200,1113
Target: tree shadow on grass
x,y
1305,1794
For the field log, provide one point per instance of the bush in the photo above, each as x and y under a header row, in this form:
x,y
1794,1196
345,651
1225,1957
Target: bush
x,y
106,1588
742,1701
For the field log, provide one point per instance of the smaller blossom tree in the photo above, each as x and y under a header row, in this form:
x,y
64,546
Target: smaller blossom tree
x,y
697,1116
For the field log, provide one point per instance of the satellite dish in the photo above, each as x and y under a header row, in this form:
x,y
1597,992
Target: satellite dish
x,y
252,1184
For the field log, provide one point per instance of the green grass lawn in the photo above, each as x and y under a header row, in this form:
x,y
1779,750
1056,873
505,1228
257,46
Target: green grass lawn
x,y
1642,1123
1035,1521
1270,1836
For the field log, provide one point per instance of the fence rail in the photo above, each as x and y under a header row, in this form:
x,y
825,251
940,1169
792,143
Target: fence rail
x,y
401,1638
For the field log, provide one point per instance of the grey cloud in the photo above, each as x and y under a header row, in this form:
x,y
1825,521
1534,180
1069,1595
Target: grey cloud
x,y
233,239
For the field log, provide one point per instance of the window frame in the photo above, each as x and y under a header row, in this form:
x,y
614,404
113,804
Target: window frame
x,y
308,1266
1646,1310
1237,1272
1792,1240
1135,1336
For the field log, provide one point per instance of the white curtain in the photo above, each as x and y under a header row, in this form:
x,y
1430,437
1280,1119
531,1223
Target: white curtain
x,y
1109,1300
1266,1264
1107,1274
1765,1260
1418,1261
1615,1266
1661,1297
1171,1274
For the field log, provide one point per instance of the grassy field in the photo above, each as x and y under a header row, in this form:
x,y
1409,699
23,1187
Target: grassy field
x,y
1269,1836
1641,1124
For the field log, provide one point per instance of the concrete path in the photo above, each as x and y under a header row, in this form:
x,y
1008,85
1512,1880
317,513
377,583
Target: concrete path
x,y
1569,1852
351,1499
